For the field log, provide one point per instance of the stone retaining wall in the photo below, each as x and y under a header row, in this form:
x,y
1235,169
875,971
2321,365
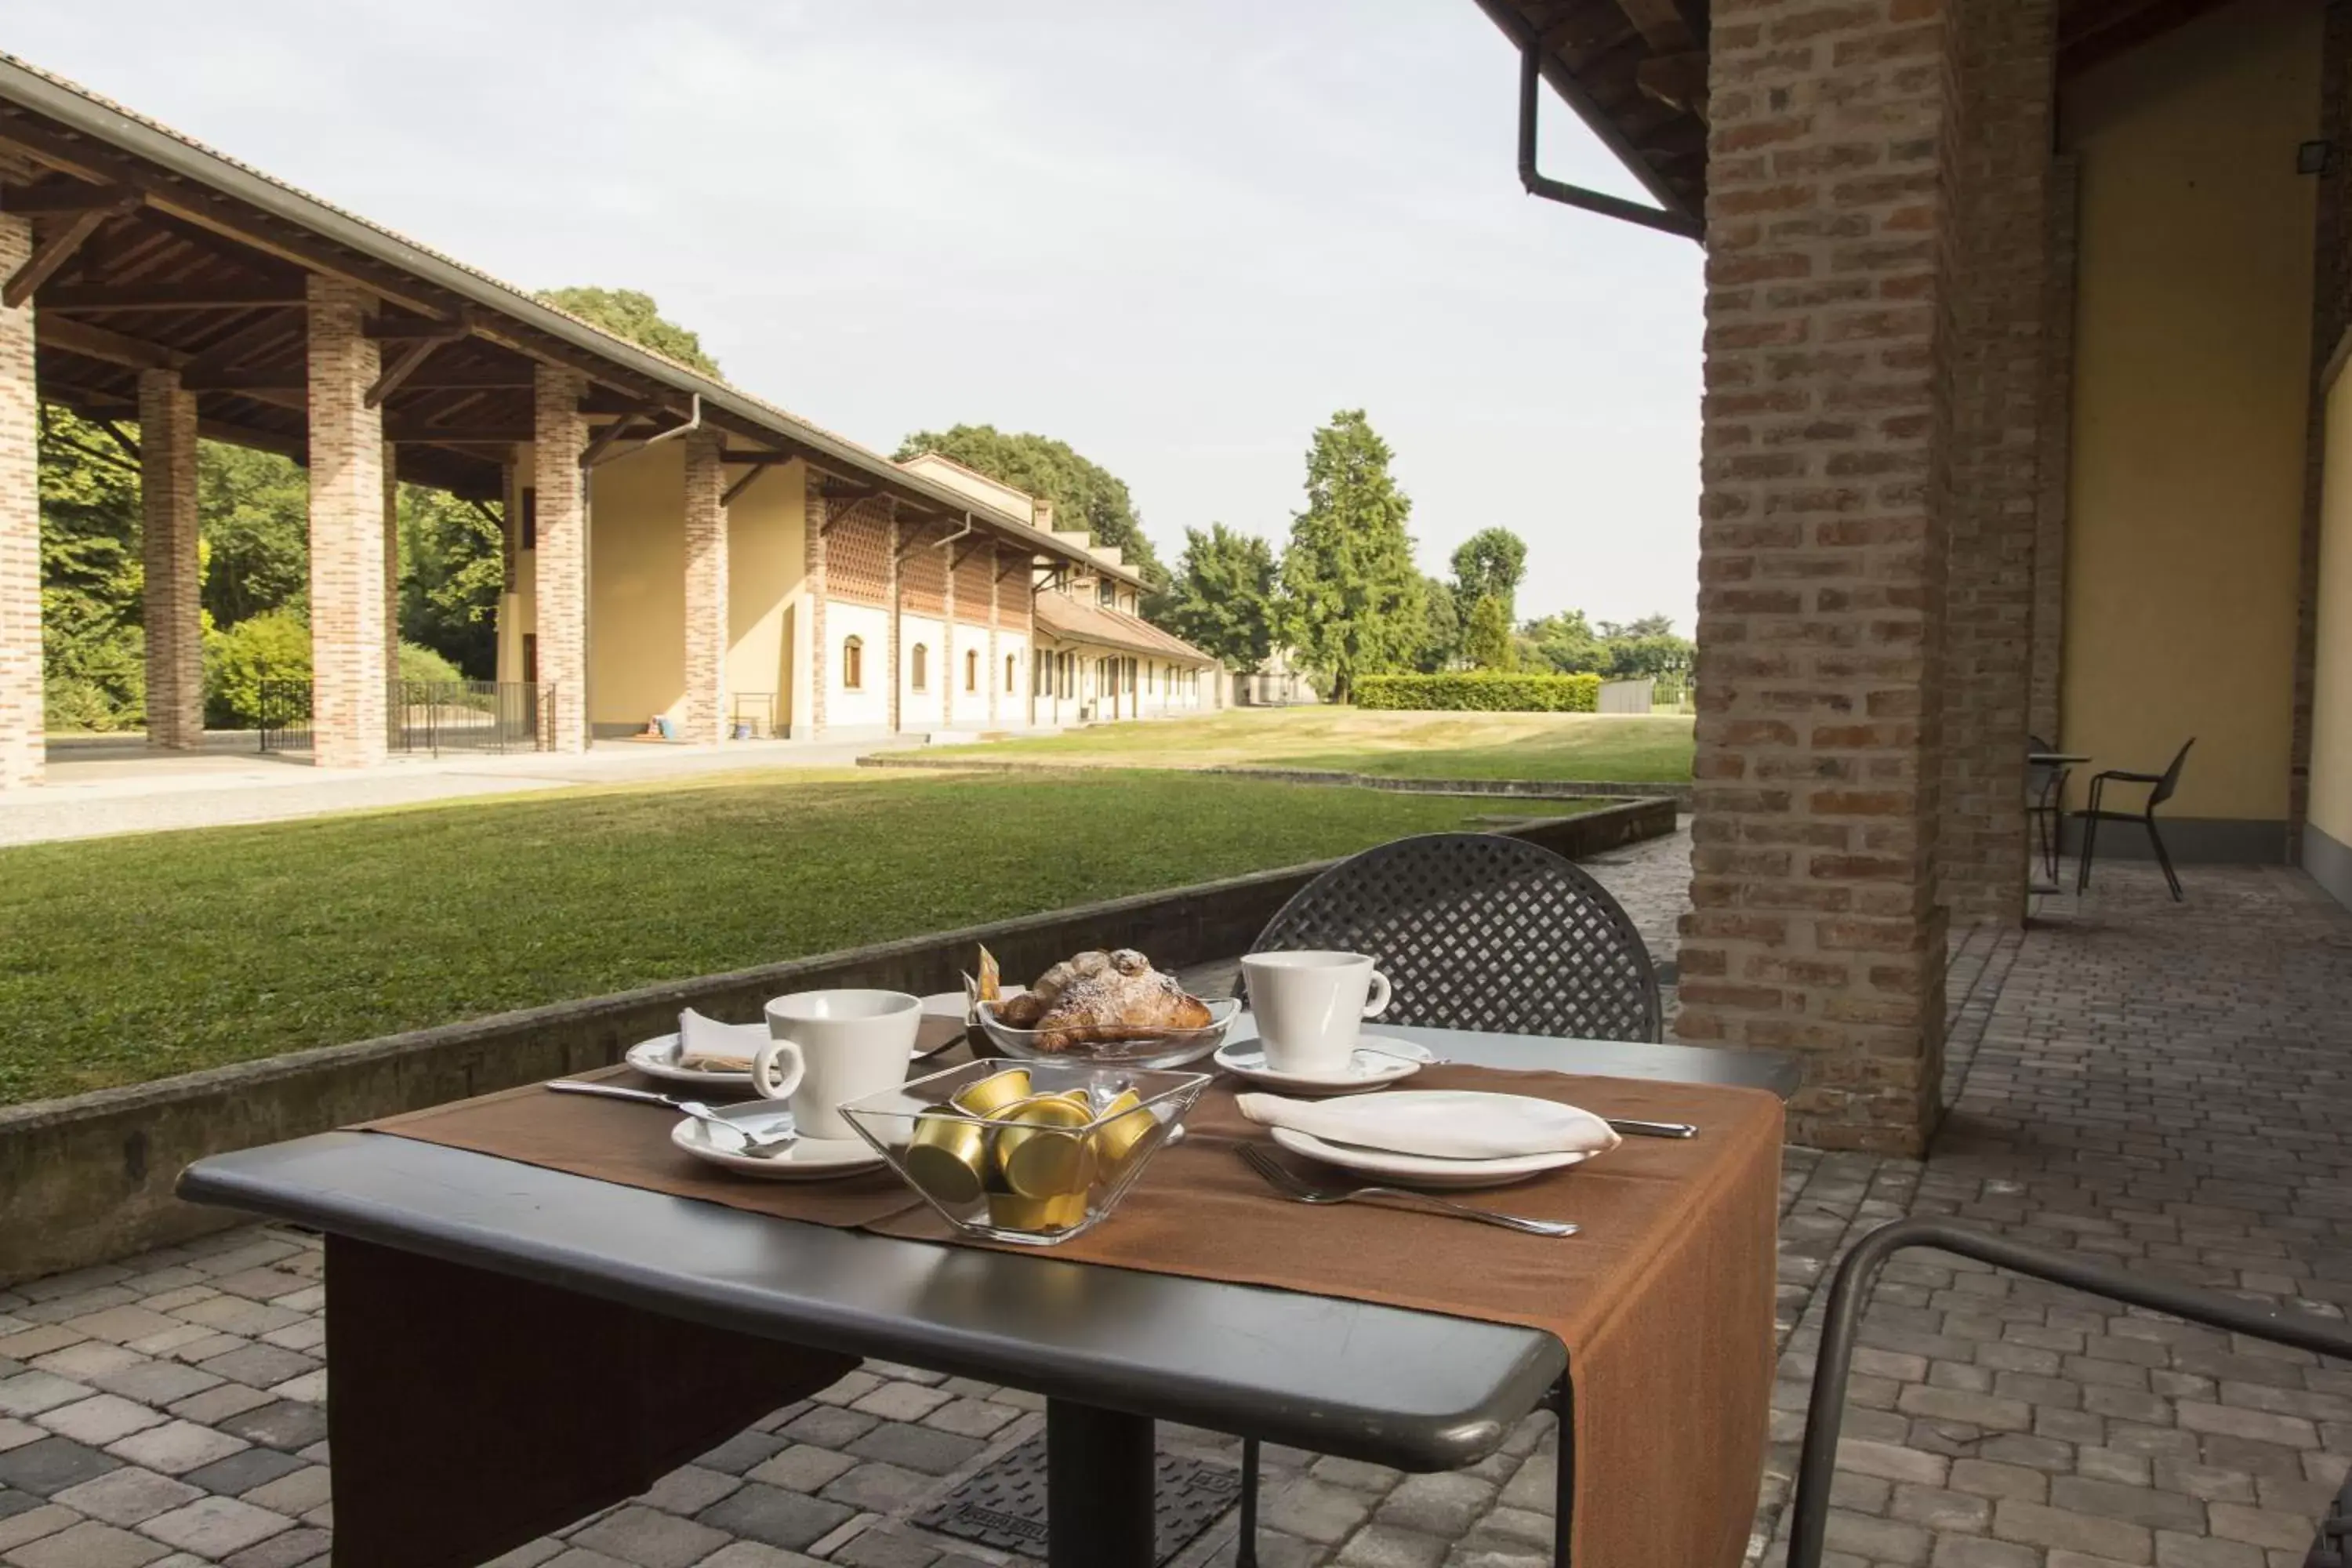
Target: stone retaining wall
x,y
1518,789
90,1177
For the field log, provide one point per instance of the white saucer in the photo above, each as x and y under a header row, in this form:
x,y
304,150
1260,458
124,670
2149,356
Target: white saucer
x,y
1366,1070
801,1160
1421,1170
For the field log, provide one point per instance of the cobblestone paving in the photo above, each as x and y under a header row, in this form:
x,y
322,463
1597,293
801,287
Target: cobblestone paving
x,y
2166,1087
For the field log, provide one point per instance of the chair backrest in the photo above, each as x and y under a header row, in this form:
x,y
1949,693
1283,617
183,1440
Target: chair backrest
x,y
1478,931
2171,779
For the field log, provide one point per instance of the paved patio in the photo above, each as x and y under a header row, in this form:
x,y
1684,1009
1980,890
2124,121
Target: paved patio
x,y
2163,1085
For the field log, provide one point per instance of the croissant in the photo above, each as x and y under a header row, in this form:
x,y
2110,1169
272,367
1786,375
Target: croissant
x,y
1101,997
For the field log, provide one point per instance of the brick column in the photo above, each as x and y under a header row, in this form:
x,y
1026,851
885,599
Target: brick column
x,y
2053,465
2006,56
174,618
815,516
995,618
1813,925
706,590
560,585
948,640
347,626
391,562
22,747
890,652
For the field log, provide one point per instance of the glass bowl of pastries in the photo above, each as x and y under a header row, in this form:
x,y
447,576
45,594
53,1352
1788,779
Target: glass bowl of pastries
x,y
1032,1152
1103,1007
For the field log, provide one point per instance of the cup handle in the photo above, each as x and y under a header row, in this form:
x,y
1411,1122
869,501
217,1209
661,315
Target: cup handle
x,y
1379,999
769,1079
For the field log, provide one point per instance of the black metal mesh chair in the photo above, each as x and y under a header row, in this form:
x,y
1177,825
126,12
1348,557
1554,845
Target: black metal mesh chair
x,y
2160,788
1475,931
1851,1285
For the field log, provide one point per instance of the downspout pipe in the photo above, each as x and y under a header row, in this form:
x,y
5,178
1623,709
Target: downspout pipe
x,y
693,421
959,533
1539,184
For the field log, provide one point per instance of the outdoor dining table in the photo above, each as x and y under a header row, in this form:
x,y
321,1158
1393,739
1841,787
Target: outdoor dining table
x,y
1111,1348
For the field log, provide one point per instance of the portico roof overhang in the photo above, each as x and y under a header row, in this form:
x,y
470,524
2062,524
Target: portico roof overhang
x,y
154,252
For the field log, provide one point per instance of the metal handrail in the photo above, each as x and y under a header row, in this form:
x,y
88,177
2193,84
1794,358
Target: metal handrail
x,y
1817,1458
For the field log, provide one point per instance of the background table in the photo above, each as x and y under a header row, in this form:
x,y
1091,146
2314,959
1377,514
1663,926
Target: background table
x,y
1111,1349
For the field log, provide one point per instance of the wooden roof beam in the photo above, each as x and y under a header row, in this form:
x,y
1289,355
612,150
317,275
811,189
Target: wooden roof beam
x,y
1678,81
57,251
98,343
170,297
67,198
1662,24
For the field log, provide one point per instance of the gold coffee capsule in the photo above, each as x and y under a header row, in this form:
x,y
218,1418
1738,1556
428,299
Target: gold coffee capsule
x,y
993,1093
947,1157
1011,1211
1115,1139
1038,1149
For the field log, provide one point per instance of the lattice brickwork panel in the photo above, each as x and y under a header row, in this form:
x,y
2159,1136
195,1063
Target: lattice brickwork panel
x,y
857,557
1476,930
972,584
923,574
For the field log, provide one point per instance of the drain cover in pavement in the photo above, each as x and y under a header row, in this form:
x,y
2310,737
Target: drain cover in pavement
x,y
1003,1506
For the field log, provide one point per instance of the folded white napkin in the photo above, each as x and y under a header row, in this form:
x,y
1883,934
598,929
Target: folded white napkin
x,y
706,1045
1442,1124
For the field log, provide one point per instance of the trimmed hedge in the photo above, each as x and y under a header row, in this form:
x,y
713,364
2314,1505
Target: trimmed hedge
x,y
1488,691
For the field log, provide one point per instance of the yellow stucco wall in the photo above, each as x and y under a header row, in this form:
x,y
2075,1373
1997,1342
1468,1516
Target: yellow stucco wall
x,y
766,566
637,586
2192,356
2331,705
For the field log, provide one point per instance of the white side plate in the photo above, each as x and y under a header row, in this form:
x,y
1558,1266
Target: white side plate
x,y
801,1160
1421,1170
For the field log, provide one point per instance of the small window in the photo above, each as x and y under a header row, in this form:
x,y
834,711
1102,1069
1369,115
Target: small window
x,y
971,671
1009,666
1106,593
918,667
530,518
530,653
853,664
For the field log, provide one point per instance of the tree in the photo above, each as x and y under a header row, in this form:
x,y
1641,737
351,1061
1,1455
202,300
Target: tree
x,y
452,568
1222,600
92,645
254,512
1487,640
1355,605
1490,564
1647,627
631,314
1565,641
1085,494
1441,642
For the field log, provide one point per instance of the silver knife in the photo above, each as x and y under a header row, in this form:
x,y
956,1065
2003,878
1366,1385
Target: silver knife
x,y
1654,1129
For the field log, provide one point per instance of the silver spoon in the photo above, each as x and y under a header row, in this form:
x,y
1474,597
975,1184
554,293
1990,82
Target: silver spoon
x,y
744,1142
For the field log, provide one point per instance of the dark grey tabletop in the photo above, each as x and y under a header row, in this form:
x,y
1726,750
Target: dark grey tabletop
x,y
1274,1364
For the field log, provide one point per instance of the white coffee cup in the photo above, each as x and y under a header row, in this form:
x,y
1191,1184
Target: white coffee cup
x,y
827,1047
1308,1007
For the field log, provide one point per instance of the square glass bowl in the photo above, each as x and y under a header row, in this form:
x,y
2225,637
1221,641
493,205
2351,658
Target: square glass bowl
x,y
1144,1046
1027,1152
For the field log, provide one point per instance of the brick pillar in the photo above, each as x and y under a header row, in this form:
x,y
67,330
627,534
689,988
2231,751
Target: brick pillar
x,y
820,655
391,562
706,590
559,586
1813,925
890,652
347,599
948,641
2053,465
2006,58
174,619
995,619
22,747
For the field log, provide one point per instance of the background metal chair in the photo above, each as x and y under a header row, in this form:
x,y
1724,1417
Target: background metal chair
x,y
2160,788
1475,931
2045,801
1817,1459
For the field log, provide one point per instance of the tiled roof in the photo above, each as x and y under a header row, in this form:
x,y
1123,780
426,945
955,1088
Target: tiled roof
x,y
1072,621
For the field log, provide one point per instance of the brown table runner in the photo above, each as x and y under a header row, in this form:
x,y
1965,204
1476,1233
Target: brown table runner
x,y
1664,1301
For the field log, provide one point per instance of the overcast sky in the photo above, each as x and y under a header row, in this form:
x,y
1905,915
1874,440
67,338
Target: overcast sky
x,y
1177,234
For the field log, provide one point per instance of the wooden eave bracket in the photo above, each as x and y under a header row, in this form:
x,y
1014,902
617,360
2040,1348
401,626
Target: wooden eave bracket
x,y
58,249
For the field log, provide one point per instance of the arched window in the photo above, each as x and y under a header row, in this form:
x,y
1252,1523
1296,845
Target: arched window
x,y
920,667
1008,672
970,669
853,664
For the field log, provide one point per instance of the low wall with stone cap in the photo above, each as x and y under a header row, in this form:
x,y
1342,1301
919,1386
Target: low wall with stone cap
x,y
90,1177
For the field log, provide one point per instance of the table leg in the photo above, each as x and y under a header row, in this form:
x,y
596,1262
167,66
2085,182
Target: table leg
x,y
1099,1474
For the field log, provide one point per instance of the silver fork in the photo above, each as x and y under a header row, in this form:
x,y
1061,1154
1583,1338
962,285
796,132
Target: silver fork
x,y
1283,1178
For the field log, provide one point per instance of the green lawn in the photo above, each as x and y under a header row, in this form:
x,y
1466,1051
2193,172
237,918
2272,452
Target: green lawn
x,y
1582,746
128,959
